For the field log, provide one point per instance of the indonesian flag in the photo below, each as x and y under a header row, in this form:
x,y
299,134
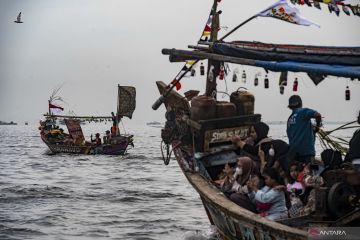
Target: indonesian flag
x,y
55,108
283,11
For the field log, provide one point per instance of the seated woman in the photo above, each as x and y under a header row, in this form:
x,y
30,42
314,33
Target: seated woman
x,y
275,150
270,201
294,189
234,184
258,134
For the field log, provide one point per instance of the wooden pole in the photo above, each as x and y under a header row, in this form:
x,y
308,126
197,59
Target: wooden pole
x,y
237,27
213,66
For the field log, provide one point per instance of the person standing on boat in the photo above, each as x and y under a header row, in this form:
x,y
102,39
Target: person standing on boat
x,y
114,128
353,154
300,131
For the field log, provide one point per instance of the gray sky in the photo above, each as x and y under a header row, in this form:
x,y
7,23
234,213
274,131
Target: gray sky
x,y
90,46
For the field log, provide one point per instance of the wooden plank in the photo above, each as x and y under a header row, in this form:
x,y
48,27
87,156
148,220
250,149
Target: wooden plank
x,y
204,55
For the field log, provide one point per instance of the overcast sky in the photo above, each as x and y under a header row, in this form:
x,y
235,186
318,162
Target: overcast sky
x,y
90,46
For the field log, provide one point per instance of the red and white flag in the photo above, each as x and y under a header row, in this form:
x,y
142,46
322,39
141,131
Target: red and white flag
x,y
283,11
55,109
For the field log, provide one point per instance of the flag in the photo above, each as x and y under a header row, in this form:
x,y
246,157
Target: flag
x,y
177,84
205,36
55,108
283,11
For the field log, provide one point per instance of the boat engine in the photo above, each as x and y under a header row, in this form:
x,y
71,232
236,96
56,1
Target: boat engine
x,y
344,191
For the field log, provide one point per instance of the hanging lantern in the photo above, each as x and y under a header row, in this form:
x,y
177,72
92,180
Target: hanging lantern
x,y
221,73
295,85
202,69
266,81
211,74
256,80
193,72
347,93
234,77
243,76
282,89
283,78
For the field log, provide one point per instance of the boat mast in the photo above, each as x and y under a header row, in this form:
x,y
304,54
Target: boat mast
x,y
213,66
118,118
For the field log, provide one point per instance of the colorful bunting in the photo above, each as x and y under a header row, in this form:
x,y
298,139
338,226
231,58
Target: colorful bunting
x,y
333,6
189,64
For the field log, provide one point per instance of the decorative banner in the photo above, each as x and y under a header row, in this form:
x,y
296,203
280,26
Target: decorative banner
x,y
74,129
333,6
281,10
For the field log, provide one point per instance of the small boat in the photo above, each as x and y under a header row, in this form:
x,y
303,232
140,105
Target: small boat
x,y
8,123
74,141
198,135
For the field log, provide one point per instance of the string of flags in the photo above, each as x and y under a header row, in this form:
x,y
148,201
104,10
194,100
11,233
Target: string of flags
x,y
190,64
332,5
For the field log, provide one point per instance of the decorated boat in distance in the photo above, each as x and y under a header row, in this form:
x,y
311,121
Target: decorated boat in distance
x,y
198,135
113,143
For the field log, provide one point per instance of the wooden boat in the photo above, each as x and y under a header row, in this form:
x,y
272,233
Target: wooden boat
x,y
117,147
74,142
199,140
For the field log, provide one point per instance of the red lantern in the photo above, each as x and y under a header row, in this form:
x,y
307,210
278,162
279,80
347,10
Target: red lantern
x,y
295,85
347,93
221,73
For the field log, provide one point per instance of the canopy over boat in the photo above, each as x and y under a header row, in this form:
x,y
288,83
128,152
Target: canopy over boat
x,y
292,63
285,52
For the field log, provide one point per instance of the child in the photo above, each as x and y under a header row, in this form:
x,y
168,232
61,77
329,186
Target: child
x,y
269,200
295,188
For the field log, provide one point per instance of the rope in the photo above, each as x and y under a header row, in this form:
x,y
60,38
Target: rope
x,y
122,123
168,153
327,141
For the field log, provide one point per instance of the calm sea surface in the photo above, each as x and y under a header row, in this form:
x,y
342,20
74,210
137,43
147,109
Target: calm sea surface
x,y
45,196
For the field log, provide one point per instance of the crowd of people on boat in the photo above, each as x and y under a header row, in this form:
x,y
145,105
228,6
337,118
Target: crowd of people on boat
x,y
276,179
54,134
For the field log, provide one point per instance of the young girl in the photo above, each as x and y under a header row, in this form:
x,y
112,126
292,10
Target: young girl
x,y
270,201
295,188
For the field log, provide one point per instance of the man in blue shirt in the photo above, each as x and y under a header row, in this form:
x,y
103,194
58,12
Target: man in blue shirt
x,y
300,131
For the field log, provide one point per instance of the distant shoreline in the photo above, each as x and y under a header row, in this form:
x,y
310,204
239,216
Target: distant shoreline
x,y
8,123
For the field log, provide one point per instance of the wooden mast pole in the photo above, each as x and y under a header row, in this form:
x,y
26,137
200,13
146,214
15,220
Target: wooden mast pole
x,y
213,66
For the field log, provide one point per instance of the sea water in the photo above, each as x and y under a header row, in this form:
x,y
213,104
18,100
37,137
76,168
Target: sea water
x,y
61,196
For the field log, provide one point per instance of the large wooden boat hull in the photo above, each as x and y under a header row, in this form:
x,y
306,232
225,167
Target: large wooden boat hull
x,y
105,149
232,221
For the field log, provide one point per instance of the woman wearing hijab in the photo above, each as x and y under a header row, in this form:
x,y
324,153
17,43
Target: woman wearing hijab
x,y
258,137
245,169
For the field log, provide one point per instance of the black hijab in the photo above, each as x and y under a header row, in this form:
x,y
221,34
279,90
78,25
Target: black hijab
x,y
262,130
